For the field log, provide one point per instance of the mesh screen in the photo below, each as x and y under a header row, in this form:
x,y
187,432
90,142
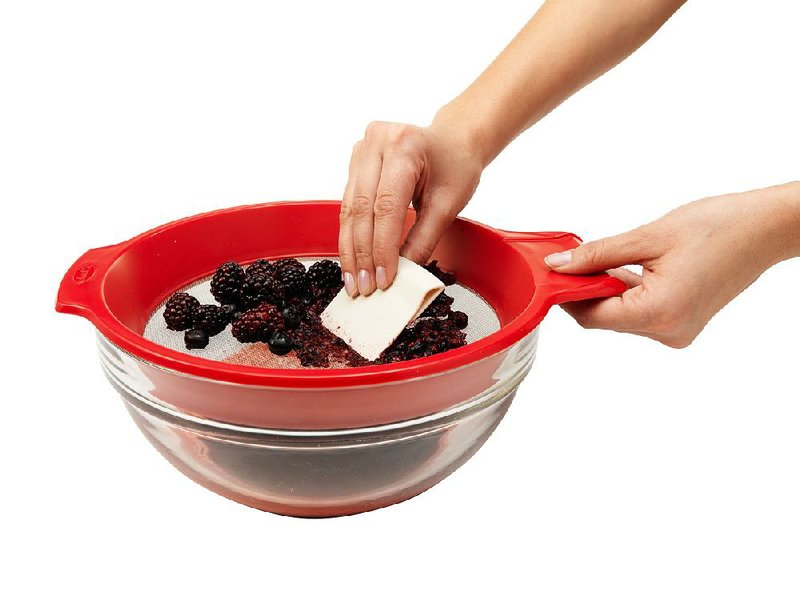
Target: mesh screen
x,y
224,347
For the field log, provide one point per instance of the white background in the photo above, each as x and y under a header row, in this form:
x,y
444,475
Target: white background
x,y
623,470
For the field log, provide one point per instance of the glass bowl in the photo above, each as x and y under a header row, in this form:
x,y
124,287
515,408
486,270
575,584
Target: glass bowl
x,y
315,473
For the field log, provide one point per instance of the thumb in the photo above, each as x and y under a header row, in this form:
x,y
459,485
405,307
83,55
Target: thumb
x,y
601,255
432,221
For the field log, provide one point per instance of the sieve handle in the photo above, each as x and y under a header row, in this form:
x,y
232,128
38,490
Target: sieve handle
x,y
560,287
80,292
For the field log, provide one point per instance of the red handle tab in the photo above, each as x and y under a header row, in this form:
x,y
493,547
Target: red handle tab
x,y
80,292
559,287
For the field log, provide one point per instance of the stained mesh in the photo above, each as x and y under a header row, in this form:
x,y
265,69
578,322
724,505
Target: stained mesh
x,y
224,347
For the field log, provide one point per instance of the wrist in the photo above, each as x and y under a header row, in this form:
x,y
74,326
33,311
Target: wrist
x,y
781,206
473,135
789,205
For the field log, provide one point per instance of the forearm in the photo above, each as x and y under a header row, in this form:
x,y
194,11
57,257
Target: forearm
x,y
566,45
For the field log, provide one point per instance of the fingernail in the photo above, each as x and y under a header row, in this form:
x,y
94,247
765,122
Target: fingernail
x,y
363,282
559,259
381,278
350,284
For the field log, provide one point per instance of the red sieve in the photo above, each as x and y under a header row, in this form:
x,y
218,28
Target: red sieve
x,y
118,288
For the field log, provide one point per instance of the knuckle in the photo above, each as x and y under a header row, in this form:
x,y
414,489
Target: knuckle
x,y
386,205
390,134
345,213
374,128
400,134
592,252
363,255
361,205
345,255
346,258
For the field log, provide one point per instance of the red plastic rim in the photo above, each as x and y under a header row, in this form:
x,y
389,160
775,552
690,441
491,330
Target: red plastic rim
x,y
118,287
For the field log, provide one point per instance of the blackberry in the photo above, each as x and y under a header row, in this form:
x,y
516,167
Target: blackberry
x,y
257,324
179,310
445,277
261,287
226,285
261,266
231,311
195,339
285,265
280,343
292,316
440,307
247,328
325,274
460,319
295,282
271,319
210,318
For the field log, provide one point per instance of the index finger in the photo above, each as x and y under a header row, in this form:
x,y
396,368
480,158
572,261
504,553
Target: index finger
x,y
395,190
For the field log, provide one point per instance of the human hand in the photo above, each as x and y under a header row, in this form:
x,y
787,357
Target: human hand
x,y
695,260
432,168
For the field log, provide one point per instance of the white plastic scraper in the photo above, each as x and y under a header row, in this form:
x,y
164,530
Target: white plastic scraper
x,y
369,324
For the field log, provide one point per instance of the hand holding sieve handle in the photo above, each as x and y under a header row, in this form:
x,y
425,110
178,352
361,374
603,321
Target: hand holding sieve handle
x,y
558,288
